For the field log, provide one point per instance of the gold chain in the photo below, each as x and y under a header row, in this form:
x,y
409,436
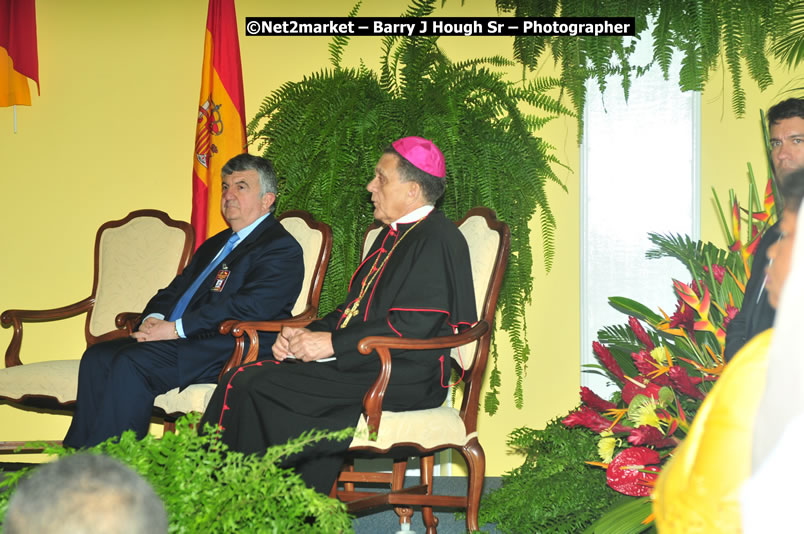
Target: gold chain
x,y
352,309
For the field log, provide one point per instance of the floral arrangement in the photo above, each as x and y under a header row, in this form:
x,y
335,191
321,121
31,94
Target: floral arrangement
x,y
664,371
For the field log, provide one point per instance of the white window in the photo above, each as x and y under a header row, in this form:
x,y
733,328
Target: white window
x,y
639,173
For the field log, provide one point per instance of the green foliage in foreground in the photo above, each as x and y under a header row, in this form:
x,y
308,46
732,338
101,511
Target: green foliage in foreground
x,y
553,490
208,489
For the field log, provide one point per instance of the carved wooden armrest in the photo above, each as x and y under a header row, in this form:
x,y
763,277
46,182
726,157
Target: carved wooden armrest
x,y
15,318
372,401
252,328
127,321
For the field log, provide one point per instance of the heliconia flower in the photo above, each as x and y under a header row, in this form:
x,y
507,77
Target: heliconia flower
x,y
769,195
627,474
607,359
591,399
647,366
645,435
639,332
587,417
670,420
695,288
695,300
639,386
731,312
606,446
718,271
751,247
735,223
683,383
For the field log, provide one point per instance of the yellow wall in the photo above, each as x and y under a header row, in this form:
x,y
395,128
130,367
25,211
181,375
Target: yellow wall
x,y
113,132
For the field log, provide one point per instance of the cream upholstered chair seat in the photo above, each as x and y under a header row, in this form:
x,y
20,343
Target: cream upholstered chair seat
x,y
423,428
315,239
54,378
134,257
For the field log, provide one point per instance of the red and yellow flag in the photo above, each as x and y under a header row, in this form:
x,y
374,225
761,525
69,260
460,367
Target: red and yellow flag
x,y
221,131
19,59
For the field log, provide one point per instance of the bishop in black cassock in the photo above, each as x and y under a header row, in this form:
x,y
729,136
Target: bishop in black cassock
x,y
415,282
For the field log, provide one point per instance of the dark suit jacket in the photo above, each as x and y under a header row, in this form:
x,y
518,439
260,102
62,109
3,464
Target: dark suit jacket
x,y
265,278
756,314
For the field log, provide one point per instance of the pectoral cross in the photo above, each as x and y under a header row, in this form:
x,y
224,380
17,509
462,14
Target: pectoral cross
x,y
351,311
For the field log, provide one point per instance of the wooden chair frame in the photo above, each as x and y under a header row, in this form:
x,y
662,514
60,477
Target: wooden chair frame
x,y
314,294
402,499
16,318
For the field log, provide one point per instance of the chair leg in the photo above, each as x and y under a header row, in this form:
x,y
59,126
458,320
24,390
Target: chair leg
x,y
426,467
476,463
397,483
348,467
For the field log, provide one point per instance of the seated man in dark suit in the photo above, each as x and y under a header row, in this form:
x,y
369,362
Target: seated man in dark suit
x,y
786,128
252,271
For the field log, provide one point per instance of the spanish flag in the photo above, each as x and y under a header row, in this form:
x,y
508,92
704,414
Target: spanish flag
x,y
19,60
221,130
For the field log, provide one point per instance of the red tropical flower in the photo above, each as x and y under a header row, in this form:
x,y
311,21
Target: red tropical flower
x,y
683,383
645,435
639,386
587,417
607,359
718,271
640,333
684,317
627,471
591,399
731,312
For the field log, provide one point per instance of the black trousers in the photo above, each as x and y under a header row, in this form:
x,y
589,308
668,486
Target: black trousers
x,y
267,403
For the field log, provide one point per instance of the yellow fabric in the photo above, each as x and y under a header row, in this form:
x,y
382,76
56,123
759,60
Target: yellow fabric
x,y
13,85
698,489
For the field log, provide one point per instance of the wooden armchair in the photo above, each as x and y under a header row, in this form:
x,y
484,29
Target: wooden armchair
x,y
315,238
134,257
424,432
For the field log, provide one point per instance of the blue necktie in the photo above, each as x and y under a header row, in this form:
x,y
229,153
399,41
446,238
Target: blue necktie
x,y
188,295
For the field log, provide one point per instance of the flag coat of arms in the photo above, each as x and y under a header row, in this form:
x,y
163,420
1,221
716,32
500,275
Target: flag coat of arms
x,y
221,130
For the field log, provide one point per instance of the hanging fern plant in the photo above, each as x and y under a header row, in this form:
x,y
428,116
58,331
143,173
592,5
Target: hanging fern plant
x,y
326,133
732,33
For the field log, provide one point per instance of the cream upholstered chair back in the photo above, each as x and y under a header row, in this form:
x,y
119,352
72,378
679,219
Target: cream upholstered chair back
x,y
310,240
368,239
483,244
135,257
